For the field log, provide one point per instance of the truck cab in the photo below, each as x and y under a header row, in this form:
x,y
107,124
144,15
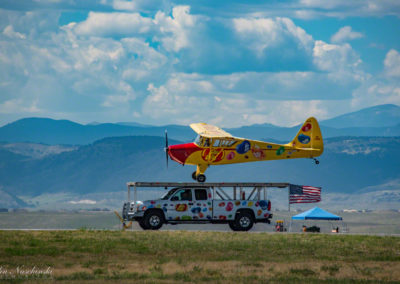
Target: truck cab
x,y
198,204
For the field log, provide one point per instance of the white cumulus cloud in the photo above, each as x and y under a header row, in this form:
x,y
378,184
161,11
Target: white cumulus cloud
x,y
9,31
175,63
261,34
111,24
392,63
345,34
175,30
334,57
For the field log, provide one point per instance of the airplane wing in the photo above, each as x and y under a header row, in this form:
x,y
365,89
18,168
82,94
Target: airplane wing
x,y
210,131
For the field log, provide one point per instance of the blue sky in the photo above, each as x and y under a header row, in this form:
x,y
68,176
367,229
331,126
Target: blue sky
x,y
229,63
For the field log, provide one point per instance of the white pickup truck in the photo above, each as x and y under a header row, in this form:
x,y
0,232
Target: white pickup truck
x,y
196,203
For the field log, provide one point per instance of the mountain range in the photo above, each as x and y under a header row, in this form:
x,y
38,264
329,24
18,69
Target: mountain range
x,y
348,165
383,120
54,162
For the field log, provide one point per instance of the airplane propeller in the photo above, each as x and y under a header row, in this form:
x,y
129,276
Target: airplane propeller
x,y
166,146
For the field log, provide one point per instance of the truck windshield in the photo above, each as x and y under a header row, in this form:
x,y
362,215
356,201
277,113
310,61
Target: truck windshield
x,y
169,193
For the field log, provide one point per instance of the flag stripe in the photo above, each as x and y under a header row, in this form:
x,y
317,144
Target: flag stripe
x,y
304,194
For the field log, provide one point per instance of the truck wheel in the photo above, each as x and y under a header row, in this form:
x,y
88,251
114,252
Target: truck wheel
x,y
201,178
244,221
153,220
233,226
142,224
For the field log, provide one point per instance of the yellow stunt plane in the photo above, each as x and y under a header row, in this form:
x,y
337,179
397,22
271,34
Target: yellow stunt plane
x,y
214,146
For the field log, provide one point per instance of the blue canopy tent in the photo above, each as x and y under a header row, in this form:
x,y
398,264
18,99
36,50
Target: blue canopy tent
x,y
317,213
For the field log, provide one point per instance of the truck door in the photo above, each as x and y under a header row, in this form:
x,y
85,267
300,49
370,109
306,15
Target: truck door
x,y
180,205
202,207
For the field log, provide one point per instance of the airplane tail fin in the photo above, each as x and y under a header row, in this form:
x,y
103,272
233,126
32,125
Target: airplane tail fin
x,y
309,137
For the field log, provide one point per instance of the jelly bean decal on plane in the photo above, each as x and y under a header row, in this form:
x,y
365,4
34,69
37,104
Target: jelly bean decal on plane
x,y
304,139
213,154
258,153
280,151
230,156
306,127
243,147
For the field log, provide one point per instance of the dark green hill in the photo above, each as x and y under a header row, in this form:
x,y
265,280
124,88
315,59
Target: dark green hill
x,y
347,165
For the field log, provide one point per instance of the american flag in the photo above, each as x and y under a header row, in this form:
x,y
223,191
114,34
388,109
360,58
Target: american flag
x,y
304,194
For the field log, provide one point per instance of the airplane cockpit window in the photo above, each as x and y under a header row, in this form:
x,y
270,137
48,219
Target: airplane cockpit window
x,y
227,143
198,140
204,142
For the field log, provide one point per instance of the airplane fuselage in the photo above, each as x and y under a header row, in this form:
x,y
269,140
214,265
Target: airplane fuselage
x,y
217,147
241,151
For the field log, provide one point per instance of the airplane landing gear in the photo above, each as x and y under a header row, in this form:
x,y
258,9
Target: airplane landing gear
x,y
199,173
201,178
316,161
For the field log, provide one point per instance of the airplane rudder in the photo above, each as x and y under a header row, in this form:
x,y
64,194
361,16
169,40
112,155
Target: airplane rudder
x,y
309,135
316,135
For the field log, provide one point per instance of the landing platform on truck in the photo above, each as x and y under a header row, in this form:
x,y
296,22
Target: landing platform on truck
x,y
199,203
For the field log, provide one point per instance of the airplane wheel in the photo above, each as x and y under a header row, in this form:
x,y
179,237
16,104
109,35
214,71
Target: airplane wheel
x,y
316,162
201,178
194,175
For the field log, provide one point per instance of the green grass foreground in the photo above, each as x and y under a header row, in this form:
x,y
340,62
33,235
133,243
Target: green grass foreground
x,y
182,256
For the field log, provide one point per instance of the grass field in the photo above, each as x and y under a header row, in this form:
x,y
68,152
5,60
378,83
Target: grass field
x,y
183,256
